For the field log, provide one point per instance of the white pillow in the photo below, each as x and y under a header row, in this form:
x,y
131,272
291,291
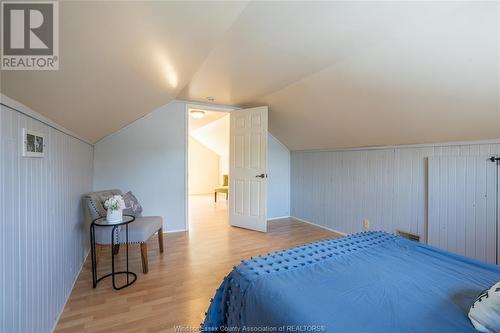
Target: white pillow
x,y
485,312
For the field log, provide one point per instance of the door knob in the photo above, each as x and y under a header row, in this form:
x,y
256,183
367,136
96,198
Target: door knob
x,y
262,175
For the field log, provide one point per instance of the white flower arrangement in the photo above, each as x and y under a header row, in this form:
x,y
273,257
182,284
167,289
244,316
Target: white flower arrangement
x,y
114,202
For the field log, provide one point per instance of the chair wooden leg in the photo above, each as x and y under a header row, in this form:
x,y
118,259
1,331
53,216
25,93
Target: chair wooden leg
x,y
144,257
160,239
116,249
215,195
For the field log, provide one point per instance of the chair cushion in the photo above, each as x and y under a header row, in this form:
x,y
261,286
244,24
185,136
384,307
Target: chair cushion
x,y
139,231
142,229
223,189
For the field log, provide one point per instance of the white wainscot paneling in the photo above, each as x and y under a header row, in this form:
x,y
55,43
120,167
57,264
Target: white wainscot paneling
x,y
387,186
462,205
43,242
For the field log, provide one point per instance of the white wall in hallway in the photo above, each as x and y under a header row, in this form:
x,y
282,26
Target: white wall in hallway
x,y
215,135
203,168
43,240
338,189
278,181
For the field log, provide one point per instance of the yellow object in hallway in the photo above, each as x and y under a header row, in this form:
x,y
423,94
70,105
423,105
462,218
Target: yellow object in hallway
x,y
224,188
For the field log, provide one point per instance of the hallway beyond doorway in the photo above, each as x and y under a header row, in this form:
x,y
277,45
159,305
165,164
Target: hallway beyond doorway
x,y
205,214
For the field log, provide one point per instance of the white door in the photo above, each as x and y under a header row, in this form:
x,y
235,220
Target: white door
x,y
248,168
462,205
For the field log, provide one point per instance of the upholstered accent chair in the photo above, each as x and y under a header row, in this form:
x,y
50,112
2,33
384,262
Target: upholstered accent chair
x,y
142,229
224,188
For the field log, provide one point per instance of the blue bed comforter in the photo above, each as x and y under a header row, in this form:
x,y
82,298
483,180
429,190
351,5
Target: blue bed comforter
x,y
367,282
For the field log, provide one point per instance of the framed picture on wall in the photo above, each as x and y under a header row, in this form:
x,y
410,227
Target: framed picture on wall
x,y
33,143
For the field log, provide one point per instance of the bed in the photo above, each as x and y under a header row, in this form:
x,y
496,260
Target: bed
x,y
366,282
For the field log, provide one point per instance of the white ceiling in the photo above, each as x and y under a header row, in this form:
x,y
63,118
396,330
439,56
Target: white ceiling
x,y
214,133
208,117
335,74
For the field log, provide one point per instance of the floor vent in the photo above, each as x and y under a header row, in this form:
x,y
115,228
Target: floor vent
x,y
408,235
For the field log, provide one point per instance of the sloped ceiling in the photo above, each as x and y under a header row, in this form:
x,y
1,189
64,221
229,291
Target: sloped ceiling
x,y
120,61
335,74
214,135
208,117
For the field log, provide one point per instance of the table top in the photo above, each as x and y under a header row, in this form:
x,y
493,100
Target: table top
x,y
102,221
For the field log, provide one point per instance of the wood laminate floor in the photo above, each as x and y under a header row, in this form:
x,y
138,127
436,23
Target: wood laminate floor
x,y
181,281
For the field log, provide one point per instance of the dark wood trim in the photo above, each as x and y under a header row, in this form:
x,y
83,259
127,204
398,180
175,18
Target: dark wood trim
x,y
116,249
144,257
160,239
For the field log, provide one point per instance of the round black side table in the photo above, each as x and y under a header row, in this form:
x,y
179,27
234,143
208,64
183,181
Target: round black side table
x,y
103,222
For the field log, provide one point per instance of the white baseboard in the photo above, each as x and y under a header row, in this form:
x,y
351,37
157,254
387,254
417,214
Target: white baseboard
x,y
176,230
321,226
71,290
278,218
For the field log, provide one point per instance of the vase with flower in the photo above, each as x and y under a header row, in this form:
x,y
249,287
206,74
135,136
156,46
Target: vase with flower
x,y
114,206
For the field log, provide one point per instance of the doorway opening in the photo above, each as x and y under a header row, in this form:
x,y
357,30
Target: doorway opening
x,y
208,169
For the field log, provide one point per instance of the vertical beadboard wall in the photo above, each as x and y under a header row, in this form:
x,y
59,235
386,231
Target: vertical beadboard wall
x,y
42,240
338,189
462,205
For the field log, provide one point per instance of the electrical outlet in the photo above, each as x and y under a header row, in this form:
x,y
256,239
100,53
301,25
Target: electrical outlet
x,y
366,224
